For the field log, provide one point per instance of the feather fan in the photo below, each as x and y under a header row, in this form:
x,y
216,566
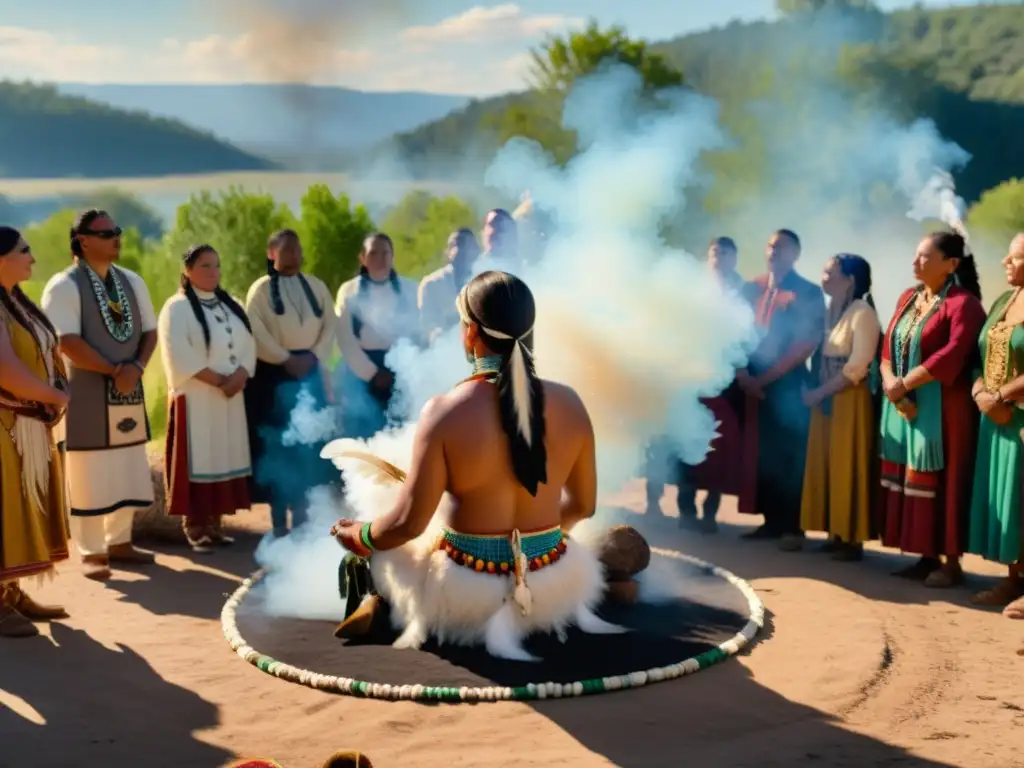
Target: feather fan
x,y
350,453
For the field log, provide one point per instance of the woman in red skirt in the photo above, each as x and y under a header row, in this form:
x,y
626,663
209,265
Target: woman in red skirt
x,y
929,424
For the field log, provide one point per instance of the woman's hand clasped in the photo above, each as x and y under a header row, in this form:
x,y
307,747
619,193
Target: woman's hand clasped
x,y
235,383
895,390
994,408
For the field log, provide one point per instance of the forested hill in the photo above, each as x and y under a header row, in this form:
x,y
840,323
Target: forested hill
x,y
46,134
963,67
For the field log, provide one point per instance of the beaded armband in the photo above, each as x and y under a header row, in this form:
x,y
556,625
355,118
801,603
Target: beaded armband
x,y
364,536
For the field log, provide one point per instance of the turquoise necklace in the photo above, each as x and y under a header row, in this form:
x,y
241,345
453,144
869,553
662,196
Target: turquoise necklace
x,y
486,367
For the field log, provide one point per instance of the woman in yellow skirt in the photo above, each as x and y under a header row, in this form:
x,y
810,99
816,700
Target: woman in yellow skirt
x,y
838,487
33,511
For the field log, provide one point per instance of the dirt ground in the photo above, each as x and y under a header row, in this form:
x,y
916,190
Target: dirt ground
x,y
855,668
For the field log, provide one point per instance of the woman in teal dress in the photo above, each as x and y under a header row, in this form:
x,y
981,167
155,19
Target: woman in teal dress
x,y
996,531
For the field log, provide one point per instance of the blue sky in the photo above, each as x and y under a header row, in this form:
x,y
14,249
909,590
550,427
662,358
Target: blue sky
x,y
449,46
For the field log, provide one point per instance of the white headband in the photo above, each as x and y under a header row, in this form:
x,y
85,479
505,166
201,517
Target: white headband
x,y
521,394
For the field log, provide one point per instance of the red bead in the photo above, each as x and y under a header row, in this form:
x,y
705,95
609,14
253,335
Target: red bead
x,y
555,556
491,567
561,547
534,564
504,567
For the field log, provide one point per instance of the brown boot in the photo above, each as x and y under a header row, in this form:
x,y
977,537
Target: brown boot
x,y
33,611
361,620
129,555
13,624
96,567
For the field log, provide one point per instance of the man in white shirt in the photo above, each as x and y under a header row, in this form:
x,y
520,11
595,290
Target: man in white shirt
x,y
438,290
107,327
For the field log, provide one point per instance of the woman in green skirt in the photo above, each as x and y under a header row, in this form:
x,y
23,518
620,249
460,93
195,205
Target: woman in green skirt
x,y
995,526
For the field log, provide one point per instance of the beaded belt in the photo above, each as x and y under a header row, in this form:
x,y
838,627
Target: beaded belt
x,y
493,554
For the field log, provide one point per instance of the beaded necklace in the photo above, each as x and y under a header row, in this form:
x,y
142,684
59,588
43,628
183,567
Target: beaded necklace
x,y
121,330
486,367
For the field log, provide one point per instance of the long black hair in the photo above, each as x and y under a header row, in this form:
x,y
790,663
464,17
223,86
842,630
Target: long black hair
x,y
502,307
859,270
83,221
275,241
188,261
952,245
16,303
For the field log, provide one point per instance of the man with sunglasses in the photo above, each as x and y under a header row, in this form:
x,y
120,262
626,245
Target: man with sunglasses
x,y
107,327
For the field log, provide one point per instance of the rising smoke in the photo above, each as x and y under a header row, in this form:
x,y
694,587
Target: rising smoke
x,y
304,43
639,328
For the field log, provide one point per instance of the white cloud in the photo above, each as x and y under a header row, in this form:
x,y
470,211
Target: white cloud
x,y
494,24
381,65
40,55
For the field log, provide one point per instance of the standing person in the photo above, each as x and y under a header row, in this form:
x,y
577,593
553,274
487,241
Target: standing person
x,y
929,423
791,312
996,530
838,488
209,356
438,290
717,474
294,326
500,243
375,309
33,507
107,327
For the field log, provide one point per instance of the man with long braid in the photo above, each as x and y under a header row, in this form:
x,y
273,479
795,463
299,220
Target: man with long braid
x,y
107,327
476,547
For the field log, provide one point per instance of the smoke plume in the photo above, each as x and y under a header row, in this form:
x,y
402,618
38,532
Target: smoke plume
x,y
304,41
638,327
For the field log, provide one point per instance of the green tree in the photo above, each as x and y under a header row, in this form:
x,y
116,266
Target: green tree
x,y
817,6
235,222
999,215
127,210
50,244
557,64
560,61
332,232
420,225
539,119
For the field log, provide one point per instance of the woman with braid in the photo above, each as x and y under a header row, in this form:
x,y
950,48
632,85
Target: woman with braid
x,y
475,547
375,309
33,508
209,356
294,325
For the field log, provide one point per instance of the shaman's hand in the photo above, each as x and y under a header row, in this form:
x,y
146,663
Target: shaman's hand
x,y
347,532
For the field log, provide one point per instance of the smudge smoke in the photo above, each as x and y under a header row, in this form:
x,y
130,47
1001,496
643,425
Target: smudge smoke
x,y
637,327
